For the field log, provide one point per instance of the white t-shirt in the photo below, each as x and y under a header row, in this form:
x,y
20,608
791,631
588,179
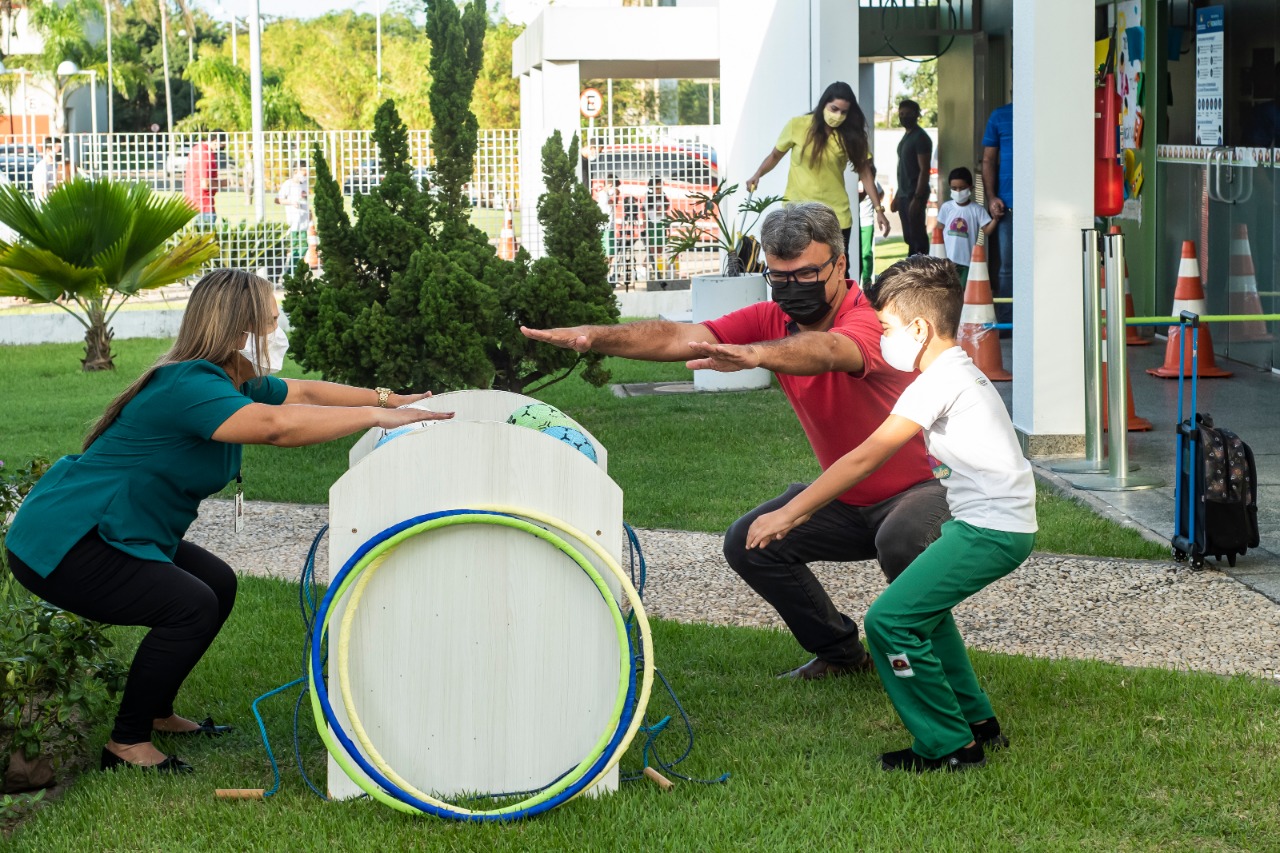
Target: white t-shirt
x,y
960,226
967,429
867,211
44,177
297,211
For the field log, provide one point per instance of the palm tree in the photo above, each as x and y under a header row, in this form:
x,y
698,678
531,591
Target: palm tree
x,y
93,244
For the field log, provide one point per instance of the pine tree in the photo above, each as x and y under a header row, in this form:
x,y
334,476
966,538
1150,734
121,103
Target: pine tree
x,y
413,296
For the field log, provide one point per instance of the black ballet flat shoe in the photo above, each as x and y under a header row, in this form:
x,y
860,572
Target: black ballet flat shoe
x,y
171,766
208,728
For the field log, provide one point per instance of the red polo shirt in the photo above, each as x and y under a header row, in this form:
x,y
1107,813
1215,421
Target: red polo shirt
x,y
838,411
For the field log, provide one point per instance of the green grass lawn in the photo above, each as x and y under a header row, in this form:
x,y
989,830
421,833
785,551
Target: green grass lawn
x,y
684,462
1102,758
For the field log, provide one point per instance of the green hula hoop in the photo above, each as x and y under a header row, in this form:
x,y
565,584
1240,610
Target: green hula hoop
x,y
366,571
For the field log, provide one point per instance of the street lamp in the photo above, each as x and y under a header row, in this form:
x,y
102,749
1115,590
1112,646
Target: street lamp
x,y
67,68
191,57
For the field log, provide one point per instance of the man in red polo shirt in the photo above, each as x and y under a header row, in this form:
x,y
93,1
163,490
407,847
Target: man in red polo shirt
x,y
822,339
202,183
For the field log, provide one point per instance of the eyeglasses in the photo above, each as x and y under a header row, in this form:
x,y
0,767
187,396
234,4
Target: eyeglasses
x,y
804,275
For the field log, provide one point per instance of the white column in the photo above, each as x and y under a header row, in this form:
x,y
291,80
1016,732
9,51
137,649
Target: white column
x,y
834,36
1053,138
255,97
548,102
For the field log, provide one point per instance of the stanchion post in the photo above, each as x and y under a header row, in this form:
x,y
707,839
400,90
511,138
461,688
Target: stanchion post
x,y
1119,476
1093,462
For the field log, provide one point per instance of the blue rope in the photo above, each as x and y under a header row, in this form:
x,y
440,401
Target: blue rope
x,y
652,731
262,727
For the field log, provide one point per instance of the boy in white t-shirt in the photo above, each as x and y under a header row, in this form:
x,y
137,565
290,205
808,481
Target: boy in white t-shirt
x,y
296,198
990,491
961,220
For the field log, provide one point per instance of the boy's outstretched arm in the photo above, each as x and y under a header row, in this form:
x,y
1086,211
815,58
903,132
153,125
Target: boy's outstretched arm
x,y
847,472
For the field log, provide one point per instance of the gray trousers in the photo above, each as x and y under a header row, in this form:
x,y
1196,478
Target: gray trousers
x,y
894,531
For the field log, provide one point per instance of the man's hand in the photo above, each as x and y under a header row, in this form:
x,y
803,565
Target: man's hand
x,y
576,338
724,358
995,206
773,526
916,207
893,205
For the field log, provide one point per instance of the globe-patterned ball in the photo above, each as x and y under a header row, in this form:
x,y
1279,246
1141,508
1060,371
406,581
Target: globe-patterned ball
x,y
574,438
539,416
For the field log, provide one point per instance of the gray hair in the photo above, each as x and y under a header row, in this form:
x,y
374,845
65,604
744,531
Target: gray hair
x,y
788,231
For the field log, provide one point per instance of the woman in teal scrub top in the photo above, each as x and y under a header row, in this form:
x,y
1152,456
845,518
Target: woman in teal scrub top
x,y
101,534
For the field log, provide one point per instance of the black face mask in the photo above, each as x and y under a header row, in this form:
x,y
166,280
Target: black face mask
x,y
803,302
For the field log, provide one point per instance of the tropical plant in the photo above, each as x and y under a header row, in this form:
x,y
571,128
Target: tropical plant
x,y
91,245
225,99
704,223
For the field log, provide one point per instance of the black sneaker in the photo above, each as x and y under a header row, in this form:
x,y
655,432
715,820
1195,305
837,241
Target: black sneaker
x,y
965,758
987,734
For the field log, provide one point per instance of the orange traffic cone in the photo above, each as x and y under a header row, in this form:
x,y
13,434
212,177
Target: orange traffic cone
x,y
1135,423
1188,295
1243,289
937,249
977,338
312,257
507,238
1132,338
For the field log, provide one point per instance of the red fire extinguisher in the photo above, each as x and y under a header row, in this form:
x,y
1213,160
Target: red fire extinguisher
x,y
1108,174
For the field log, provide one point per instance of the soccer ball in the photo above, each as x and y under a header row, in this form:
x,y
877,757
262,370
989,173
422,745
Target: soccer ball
x,y
539,416
392,434
574,438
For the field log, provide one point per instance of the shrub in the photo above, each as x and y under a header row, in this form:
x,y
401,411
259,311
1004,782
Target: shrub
x,y
55,674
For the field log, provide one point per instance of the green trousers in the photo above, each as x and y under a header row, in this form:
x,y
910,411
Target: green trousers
x,y
867,241
914,641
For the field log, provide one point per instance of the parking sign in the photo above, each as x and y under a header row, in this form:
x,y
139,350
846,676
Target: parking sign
x,y
590,102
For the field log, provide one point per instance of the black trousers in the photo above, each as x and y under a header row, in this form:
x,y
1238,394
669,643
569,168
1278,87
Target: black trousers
x,y
895,531
914,232
184,603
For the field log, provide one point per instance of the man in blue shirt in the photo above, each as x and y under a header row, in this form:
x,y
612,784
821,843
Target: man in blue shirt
x,y
997,183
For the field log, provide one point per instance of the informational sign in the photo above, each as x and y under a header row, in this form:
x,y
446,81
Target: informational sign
x,y
1210,56
1130,55
590,102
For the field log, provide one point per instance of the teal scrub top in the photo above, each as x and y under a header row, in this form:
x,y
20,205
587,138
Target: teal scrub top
x,y
141,482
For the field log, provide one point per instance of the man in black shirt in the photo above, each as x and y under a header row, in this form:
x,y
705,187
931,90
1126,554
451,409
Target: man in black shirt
x,y
915,152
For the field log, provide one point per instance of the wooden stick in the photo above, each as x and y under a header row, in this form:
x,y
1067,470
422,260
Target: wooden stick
x,y
658,779
239,793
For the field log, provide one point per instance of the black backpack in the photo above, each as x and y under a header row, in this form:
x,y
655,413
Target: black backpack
x,y
1228,492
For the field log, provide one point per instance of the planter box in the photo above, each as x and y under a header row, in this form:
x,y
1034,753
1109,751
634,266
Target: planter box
x,y
717,295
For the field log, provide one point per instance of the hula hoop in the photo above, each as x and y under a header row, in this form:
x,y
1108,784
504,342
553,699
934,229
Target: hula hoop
x,y
343,750
353,717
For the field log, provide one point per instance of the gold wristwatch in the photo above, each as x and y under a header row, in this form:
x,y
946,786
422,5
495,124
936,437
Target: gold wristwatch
x,y
383,394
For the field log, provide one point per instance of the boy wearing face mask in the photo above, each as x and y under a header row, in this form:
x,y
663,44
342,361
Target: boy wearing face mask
x,y
991,492
961,220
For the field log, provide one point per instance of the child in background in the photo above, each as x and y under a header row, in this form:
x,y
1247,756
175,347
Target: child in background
x,y
991,493
961,220
867,223
296,198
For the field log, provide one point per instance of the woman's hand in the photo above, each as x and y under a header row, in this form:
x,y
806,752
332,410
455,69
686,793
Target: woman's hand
x,y
883,222
773,526
392,418
398,400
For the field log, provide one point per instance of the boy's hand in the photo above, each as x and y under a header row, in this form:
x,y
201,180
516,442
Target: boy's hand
x,y
724,358
773,526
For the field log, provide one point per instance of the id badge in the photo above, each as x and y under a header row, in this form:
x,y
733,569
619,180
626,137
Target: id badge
x,y
239,510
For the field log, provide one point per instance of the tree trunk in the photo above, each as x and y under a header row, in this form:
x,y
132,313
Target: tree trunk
x,y
97,342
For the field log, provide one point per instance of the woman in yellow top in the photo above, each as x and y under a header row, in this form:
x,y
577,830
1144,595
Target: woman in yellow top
x,y
826,141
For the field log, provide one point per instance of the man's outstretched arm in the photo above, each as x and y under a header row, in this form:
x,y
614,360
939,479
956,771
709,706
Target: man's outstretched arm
x,y
644,340
803,354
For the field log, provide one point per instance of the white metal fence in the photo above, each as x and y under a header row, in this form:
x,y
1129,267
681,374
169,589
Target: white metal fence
x,y
636,174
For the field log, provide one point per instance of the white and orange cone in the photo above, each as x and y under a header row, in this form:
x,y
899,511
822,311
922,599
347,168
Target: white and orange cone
x,y
937,248
1132,338
977,338
507,237
1243,289
1188,295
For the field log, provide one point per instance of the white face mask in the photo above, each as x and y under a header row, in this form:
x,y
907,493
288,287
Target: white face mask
x,y
961,196
277,346
900,350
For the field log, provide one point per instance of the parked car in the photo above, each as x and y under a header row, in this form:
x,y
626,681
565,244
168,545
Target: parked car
x,y
683,169
368,174
17,162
